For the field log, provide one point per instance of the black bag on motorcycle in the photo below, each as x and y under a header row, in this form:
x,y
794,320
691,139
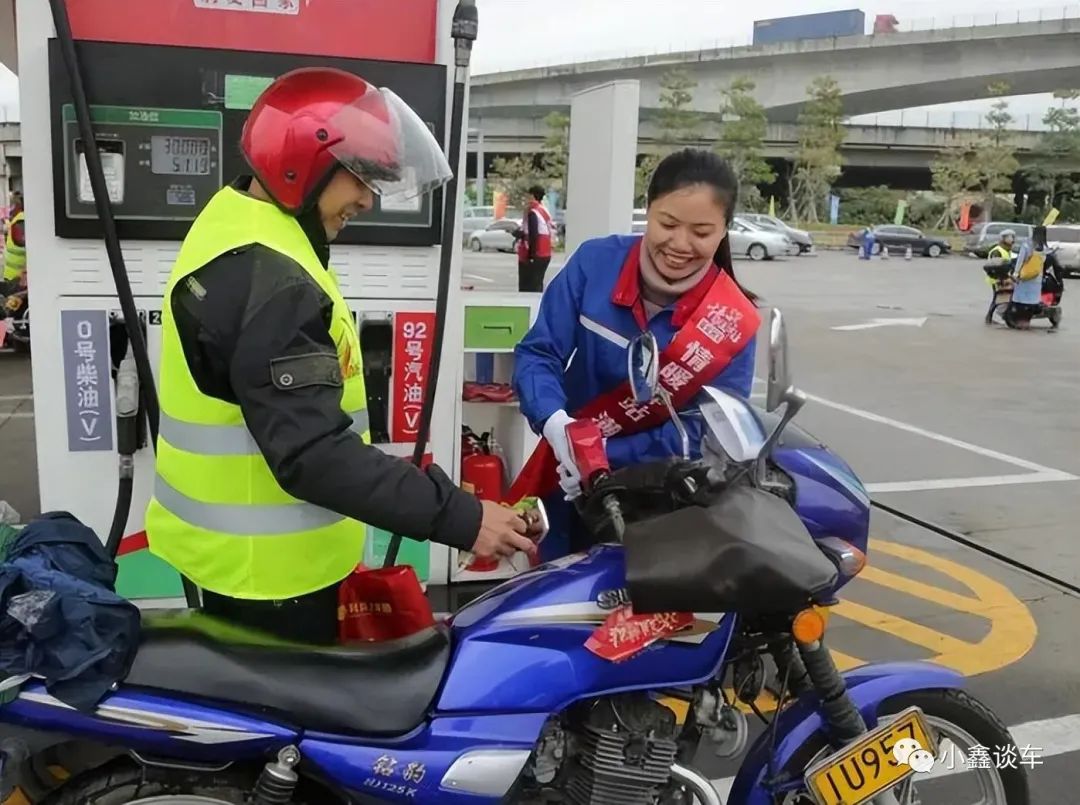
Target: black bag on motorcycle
x,y
747,552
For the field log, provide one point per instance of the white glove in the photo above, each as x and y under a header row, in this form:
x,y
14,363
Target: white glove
x,y
570,483
555,434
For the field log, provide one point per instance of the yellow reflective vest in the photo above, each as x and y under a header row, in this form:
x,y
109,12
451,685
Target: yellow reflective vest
x,y
14,256
217,514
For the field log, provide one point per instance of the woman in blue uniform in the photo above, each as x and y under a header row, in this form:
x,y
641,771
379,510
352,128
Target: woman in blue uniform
x,y
676,281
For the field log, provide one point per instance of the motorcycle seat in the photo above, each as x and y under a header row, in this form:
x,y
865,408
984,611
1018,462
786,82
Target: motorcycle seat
x,y
369,689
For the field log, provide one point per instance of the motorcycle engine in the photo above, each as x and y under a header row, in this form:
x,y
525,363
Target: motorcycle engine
x,y
612,751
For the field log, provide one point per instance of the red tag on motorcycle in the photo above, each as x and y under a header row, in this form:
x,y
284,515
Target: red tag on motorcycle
x,y
624,634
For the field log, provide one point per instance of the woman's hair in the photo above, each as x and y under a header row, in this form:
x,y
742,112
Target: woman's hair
x,y
696,166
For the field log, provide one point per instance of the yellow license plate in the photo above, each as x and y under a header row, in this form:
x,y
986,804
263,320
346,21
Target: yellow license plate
x,y
866,768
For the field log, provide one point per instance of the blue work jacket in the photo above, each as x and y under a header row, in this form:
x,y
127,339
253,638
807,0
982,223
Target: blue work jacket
x,y
589,313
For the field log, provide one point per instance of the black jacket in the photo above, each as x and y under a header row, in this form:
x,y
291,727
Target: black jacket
x,y
243,310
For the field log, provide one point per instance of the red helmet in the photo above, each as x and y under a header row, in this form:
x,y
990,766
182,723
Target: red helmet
x,y
311,120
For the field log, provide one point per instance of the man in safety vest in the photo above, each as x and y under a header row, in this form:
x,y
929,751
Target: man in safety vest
x,y
1003,249
265,474
14,243
534,243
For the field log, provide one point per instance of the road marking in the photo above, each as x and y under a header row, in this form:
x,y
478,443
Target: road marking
x,y
969,483
1038,475
6,417
478,278
869,325
1046,738
939,437
1012,630
15,397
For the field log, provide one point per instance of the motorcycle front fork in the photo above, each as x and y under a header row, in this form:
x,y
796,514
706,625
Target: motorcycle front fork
x,y
810,667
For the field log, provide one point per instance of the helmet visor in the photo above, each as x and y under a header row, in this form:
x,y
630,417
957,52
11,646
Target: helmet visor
x,y
385,144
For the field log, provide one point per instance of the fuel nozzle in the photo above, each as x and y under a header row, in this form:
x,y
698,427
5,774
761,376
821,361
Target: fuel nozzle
x,y
587,445
127,413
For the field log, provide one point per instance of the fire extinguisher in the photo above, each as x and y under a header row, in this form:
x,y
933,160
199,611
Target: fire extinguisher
x,y
483,472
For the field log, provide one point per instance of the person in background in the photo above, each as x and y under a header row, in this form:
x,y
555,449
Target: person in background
x,y
676,281
1002,250
534,243
1027,292
265,472
14,244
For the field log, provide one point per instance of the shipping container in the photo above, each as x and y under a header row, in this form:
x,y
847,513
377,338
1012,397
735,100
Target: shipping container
x,y
810,26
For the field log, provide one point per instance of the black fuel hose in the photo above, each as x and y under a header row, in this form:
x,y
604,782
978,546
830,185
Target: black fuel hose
x,y
147,389
463,31
960,539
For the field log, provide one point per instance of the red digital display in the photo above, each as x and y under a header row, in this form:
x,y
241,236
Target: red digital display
x,y
398,30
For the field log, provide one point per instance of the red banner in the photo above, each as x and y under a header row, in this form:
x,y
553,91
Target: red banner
x,y
389,30
624,634
413,336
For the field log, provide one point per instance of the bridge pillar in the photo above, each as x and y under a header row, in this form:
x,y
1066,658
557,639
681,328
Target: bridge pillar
x,y
603,154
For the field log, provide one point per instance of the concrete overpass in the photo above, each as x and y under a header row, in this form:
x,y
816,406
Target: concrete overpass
x,y
876,73
864,146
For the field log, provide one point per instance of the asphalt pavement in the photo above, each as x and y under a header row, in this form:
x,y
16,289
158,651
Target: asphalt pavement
x,y
970,426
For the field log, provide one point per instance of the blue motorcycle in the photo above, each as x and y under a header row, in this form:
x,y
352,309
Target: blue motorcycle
x,y
591,679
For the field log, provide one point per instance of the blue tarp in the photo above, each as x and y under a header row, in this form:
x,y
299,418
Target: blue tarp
x,y
60,617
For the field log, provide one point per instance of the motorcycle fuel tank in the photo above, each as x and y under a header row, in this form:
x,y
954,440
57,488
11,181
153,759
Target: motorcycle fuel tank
x,y
521,646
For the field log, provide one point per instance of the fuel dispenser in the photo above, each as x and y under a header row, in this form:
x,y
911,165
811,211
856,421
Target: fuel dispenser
x,y
168,84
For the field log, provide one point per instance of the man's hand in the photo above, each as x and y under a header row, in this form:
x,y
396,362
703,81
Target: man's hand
x,y
502,532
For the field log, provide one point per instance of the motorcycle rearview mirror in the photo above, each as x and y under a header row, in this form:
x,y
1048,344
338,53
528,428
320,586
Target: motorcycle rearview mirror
x,y
643,372
780,389
779,373
643,367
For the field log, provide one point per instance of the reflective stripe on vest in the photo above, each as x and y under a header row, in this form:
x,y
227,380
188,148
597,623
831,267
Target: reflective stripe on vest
x,y
228,440
14,255
217,513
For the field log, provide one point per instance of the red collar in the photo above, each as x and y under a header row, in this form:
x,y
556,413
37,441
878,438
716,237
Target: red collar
x,y
627,291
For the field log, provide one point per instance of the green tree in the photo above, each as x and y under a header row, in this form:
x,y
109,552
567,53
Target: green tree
x,y
743,125
1058,153
955,174
677,123
514,176
557,151
818,162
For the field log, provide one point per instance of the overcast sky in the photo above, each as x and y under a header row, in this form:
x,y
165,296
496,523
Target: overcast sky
x,y
520,33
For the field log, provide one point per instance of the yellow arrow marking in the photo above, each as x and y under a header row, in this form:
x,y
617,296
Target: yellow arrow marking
x,y
1012,628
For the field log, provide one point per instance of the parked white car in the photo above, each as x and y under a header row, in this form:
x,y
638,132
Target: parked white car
x,y
800,237
1065,238
496,236
758,243
474,219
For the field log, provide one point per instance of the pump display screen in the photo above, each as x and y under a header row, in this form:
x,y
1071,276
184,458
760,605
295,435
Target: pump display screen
x,y
169,145
180,156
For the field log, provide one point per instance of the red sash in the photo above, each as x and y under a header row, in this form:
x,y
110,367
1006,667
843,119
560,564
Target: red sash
x,y
715,332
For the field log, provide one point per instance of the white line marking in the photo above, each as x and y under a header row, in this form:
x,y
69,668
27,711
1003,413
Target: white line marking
x,y
969,483
6,417
882,323
477,277
15,397
1046,738
939,437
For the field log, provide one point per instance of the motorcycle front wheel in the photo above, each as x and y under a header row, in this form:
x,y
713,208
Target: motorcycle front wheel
x,y
963,724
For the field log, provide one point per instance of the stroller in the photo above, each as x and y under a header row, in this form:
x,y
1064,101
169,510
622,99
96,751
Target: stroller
x,y
1049,307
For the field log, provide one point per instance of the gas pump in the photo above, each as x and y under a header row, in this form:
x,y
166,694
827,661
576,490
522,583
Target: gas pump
x,y
167,87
